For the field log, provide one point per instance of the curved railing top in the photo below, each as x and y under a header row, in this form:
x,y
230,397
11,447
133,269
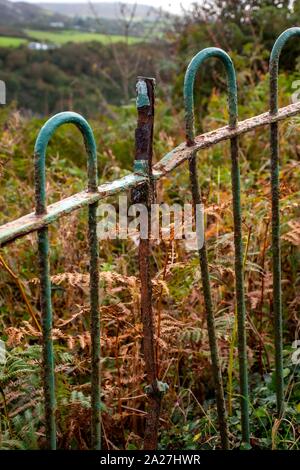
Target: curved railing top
x,y
40,148
274,62
189,81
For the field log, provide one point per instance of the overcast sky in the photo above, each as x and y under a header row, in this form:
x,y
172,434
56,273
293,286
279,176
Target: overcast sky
x,y
169,5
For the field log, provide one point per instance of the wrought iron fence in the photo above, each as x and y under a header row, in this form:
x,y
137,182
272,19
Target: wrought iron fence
x,y
141,182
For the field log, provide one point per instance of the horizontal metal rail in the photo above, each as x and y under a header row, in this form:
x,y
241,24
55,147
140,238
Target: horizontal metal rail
x,y
31,222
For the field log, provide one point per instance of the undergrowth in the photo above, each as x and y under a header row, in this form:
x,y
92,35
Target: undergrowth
x,y
188,418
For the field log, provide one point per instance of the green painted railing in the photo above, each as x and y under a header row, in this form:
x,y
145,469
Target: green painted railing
x,y
43,138
277,297
144,176
237,213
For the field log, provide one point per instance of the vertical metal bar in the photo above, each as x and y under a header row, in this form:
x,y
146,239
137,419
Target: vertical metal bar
x,y
216,369
239,275
144,195
48,359
41,144
94,297
275,196
239,286
95,327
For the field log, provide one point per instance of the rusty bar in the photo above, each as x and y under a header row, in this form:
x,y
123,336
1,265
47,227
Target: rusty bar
x,y
182,152
41,144
144,195
31,222
95,327
275,195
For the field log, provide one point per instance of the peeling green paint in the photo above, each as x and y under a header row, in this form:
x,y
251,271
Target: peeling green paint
x,y
141,167
142,98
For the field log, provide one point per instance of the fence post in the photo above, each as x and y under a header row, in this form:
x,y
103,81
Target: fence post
x,y
144,194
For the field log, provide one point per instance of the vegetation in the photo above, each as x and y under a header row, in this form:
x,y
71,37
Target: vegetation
x,y
84,77
104,18
188,418
9,41
64,36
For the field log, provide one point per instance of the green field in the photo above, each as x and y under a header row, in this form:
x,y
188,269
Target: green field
x,y
61,37
64,36
11,42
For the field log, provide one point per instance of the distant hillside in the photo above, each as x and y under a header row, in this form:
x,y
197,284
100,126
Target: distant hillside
x,y
19,13
17,17
103,10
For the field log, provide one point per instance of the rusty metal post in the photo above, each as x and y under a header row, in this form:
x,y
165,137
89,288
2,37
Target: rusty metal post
x,y
143,194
